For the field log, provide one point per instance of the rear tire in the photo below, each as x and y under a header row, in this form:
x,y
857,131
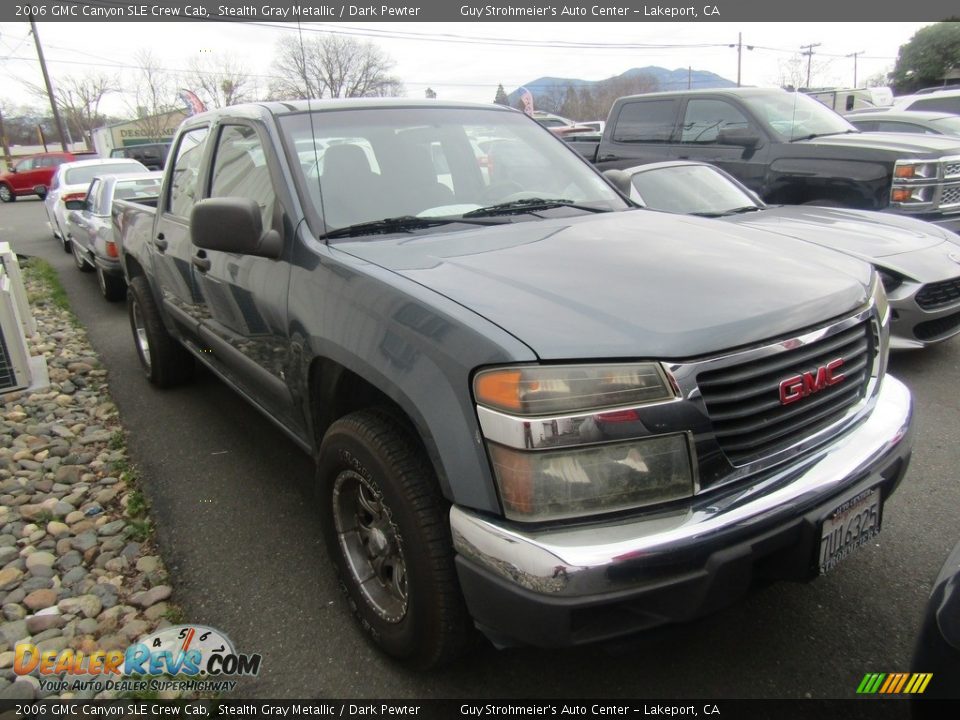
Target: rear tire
x,y
387,531
6,194
79,260
164,361
112,287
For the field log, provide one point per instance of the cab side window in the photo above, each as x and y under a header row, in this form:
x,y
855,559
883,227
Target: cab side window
x,y
647,121
185,178
704,119
240,170
25,165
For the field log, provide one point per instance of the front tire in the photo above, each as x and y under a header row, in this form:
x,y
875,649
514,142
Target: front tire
x,y
6,194
386,529
164,361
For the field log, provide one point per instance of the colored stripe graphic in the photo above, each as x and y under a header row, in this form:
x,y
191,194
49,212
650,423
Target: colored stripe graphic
x,y
894,683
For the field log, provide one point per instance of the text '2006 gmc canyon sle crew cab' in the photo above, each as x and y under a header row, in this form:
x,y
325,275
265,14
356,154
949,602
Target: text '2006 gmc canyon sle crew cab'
x,y
534,408
786,147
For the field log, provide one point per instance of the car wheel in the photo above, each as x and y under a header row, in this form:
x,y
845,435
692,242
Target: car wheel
x,y
67,245
78,259
6,194
41,191
164,361
112,287
386,529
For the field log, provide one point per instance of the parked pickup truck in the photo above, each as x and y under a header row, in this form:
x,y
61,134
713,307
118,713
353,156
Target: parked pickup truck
x,y
786,147
534,408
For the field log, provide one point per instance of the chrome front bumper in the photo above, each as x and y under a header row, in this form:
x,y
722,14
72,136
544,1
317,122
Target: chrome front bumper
x,y
576,565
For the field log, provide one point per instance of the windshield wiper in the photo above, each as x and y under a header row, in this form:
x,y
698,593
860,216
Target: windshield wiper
x,y
731,211
529,205
403,223
811,136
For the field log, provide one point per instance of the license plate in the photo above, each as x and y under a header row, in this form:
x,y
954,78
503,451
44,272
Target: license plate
x,y
852,525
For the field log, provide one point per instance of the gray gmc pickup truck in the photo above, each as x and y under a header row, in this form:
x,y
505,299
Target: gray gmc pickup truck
x,y
535,408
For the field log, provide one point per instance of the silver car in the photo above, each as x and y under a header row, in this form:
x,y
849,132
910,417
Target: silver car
x,y
89,226
918,262
71,181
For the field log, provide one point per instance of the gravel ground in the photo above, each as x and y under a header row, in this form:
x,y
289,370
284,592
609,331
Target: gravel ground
x,y
77,567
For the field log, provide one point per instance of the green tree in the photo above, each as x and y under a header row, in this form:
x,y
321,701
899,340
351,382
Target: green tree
x,y
501,98
924,60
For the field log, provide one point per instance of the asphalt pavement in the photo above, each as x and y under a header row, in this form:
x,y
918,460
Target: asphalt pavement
x,y
236,525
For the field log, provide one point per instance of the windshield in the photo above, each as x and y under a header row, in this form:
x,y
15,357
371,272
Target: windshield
x,y
947,125
689,189
86,173
361,166
793,115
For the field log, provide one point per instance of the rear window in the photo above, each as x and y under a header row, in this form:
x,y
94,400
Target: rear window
x,y
80,175
647,121
938,104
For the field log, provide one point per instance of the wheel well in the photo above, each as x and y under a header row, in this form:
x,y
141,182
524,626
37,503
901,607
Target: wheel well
x,y
336,391
133,267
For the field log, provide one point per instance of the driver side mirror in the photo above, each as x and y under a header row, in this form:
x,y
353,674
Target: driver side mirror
x,y
620,180
76,204
744,137
233,225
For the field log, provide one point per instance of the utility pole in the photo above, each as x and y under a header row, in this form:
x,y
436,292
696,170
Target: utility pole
x,y
3,140
46,80
689,75
854,56
809,54
739,47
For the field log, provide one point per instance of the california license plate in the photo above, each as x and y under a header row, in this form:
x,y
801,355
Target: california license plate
x,y
850,526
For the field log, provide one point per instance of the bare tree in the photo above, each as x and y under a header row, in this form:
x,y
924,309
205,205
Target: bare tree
x,y
792,71
332,66
78,99
219,83
154,94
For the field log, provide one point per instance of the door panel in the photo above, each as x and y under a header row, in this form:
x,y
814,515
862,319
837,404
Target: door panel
x,y
244,297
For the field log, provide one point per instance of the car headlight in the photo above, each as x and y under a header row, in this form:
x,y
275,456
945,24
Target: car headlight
x,y
567,441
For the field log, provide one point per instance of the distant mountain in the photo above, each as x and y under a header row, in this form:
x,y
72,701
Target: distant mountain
x,y
548,91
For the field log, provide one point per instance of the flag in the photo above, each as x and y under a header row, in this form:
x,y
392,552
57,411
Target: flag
x,y
190,100
526,97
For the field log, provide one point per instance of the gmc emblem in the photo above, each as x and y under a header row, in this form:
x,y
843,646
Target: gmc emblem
x,y
799,386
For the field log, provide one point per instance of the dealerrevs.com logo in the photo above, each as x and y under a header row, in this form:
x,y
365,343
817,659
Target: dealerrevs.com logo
x,y
181,658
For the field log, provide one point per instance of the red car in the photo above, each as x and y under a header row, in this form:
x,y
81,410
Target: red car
x,y
32,175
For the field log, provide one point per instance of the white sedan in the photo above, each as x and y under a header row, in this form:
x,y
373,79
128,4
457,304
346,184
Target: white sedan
x,y
71,182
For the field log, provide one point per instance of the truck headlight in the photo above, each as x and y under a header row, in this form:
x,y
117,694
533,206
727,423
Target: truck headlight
x,y
575,482
568,441
548,390
912,170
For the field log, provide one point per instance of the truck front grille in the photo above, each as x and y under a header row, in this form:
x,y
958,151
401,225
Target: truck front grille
x,y
951,169
939,294
744,401
950,196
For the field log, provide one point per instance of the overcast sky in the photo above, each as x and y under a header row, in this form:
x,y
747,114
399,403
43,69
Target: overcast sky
x,y
464,61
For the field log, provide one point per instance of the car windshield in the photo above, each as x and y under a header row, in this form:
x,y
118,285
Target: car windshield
x,y
367,165
689,190
793,115
86,173
947,125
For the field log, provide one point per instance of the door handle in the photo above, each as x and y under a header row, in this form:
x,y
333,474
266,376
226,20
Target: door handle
x,y
202,263
160,242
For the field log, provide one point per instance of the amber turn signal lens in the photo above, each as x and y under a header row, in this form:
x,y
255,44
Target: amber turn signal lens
x,y
900,194
905,171
500,389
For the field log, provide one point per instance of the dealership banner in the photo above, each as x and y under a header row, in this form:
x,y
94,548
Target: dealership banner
x,y
479,709
618,11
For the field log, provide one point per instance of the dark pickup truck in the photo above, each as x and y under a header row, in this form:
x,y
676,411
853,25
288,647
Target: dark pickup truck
x,y
535,409
786,147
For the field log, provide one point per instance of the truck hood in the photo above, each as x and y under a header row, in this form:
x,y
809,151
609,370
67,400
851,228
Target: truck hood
x,y
867,235
636,284
905,145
